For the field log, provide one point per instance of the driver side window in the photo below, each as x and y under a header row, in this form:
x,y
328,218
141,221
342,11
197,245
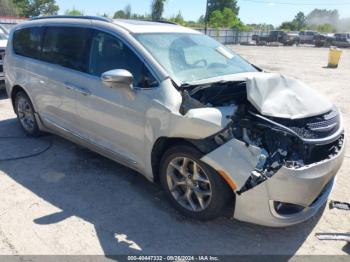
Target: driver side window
x,y
108,53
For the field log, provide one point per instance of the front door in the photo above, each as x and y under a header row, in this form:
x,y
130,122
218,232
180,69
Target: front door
x,y
114,118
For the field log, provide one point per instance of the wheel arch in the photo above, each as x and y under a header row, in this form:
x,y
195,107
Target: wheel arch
x,y
14,91
161,145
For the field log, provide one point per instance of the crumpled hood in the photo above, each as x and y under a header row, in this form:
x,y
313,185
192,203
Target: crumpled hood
x,y
276,95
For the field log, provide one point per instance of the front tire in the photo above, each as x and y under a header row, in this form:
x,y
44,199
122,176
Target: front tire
x,y
192,186
25,114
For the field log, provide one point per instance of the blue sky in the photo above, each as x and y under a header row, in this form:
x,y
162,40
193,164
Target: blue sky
x,y
252,11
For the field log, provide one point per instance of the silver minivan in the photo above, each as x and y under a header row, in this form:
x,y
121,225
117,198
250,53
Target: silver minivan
x,y
185,111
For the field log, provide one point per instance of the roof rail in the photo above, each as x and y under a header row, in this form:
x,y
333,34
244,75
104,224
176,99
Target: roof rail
x,y
161,21
147,20
99,18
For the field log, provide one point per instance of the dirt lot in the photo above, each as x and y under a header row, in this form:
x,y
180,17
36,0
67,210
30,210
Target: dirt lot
x,y
72,201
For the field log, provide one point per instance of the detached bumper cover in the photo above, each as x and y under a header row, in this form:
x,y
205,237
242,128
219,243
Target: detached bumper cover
x,y
308,187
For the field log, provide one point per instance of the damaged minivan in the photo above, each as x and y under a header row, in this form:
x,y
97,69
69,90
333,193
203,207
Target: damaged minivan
x,y
216,132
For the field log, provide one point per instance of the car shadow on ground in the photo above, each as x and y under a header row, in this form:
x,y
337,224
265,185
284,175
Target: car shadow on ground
x,y
130,214
346,248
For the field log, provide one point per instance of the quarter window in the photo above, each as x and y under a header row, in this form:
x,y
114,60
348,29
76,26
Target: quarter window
x,y
67,46
27,42
108,53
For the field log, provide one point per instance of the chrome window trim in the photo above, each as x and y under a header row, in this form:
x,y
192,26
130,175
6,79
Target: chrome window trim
x,y
113,33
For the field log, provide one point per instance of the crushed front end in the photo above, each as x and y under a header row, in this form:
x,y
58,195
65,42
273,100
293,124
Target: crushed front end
x,y
293,172
282,169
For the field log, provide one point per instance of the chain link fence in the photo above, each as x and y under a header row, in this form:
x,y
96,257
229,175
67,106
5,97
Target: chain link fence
x,y
231,36
8,22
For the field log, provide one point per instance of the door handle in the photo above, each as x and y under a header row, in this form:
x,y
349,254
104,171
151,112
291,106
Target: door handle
x,y
80,90
69,86
84,91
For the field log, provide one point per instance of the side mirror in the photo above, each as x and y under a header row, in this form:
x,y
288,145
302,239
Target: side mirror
x,y
118,78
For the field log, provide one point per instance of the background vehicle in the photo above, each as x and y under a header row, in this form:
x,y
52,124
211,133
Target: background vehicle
x,y
307,37
181,109
286,38
3,44
325,40
341,40
292,38
3,30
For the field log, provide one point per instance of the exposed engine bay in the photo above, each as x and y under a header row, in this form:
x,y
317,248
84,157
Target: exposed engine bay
x,y
293,143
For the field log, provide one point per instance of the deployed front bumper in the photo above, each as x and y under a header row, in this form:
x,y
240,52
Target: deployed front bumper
x,y
307,187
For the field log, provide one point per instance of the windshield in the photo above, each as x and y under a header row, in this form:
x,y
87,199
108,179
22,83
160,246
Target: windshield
x,y
193,57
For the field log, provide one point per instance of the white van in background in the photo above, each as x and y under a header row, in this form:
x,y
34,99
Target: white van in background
x,y
3,44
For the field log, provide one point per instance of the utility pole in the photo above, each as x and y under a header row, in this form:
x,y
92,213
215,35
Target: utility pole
x,y
206,18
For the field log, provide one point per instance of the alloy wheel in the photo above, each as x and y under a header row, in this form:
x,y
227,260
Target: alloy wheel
x,y
26,114
189,184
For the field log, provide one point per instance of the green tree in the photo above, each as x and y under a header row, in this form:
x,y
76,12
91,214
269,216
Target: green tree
x,y
123,14
326,28
300,21
157,9
289,26
322,16
7,8
225,19
141,17
297,24
230,19
74,11
216,19
201,20
214,5
32,8
194,24
178,19
322,20
263,27
127,11
120,14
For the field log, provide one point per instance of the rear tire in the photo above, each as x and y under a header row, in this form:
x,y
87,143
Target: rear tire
x,y
25,114
192,186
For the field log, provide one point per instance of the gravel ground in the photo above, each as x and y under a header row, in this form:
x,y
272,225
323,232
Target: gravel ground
x,y
72,201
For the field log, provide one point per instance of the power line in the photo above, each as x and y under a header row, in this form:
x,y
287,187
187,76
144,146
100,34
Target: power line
x,y
296,4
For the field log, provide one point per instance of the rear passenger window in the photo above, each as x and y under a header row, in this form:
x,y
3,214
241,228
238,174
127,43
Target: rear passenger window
x,y
108,53
27,42
67,46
